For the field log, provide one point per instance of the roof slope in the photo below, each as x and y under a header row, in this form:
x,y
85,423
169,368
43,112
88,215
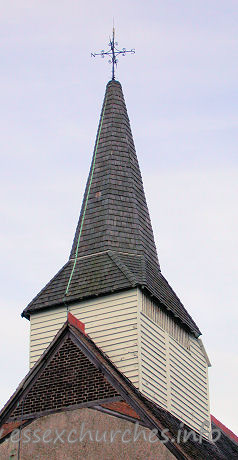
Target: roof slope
x,y
114,246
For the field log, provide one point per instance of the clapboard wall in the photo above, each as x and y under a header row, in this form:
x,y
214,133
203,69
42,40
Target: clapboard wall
x,y
153,362
111,321
189,383
174,368
161,359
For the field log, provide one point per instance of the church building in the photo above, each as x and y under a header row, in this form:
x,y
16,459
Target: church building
x,y
108,334
112,282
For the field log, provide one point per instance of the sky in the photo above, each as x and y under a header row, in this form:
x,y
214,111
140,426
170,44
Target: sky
x,y
181,94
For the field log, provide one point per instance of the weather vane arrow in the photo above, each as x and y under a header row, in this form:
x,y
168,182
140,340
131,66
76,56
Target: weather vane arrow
x,y
113,52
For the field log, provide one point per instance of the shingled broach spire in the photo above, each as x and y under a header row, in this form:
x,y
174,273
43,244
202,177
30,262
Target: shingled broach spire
x,y
114,246
108,332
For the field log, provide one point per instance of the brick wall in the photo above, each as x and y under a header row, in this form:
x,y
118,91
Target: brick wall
x,y
70,378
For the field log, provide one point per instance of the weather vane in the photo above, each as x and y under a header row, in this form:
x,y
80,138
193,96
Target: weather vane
x,y
113,52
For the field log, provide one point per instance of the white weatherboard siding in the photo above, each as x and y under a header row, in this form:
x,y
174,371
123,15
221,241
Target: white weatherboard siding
x,y
153,362
111,321
44,327
189,384
174,370
161,359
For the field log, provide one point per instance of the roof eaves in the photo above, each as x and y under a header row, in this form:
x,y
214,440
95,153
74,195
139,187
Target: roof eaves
x,y
232,436
26,312
39,365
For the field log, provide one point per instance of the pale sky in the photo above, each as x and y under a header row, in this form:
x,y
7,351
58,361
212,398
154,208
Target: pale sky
x,y
181,94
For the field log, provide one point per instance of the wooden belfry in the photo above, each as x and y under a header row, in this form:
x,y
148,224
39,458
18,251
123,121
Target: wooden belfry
x,y
108,332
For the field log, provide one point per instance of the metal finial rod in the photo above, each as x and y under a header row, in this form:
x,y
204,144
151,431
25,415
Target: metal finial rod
x,y
113,52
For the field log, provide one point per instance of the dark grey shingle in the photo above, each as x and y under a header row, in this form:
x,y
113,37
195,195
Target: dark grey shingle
x,y
116,224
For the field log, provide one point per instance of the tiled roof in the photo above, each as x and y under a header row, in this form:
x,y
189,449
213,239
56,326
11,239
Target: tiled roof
x,y
114,243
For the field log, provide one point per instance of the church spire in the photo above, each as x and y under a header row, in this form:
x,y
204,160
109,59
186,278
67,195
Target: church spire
x,y
114,214
113,247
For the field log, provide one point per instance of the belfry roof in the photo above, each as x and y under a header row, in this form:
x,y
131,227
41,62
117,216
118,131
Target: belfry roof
x,y
113,247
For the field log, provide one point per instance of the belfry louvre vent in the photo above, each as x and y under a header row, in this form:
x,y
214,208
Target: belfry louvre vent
x,y
166,322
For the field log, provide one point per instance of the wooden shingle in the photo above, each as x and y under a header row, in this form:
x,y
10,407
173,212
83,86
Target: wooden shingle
x,y
114,243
